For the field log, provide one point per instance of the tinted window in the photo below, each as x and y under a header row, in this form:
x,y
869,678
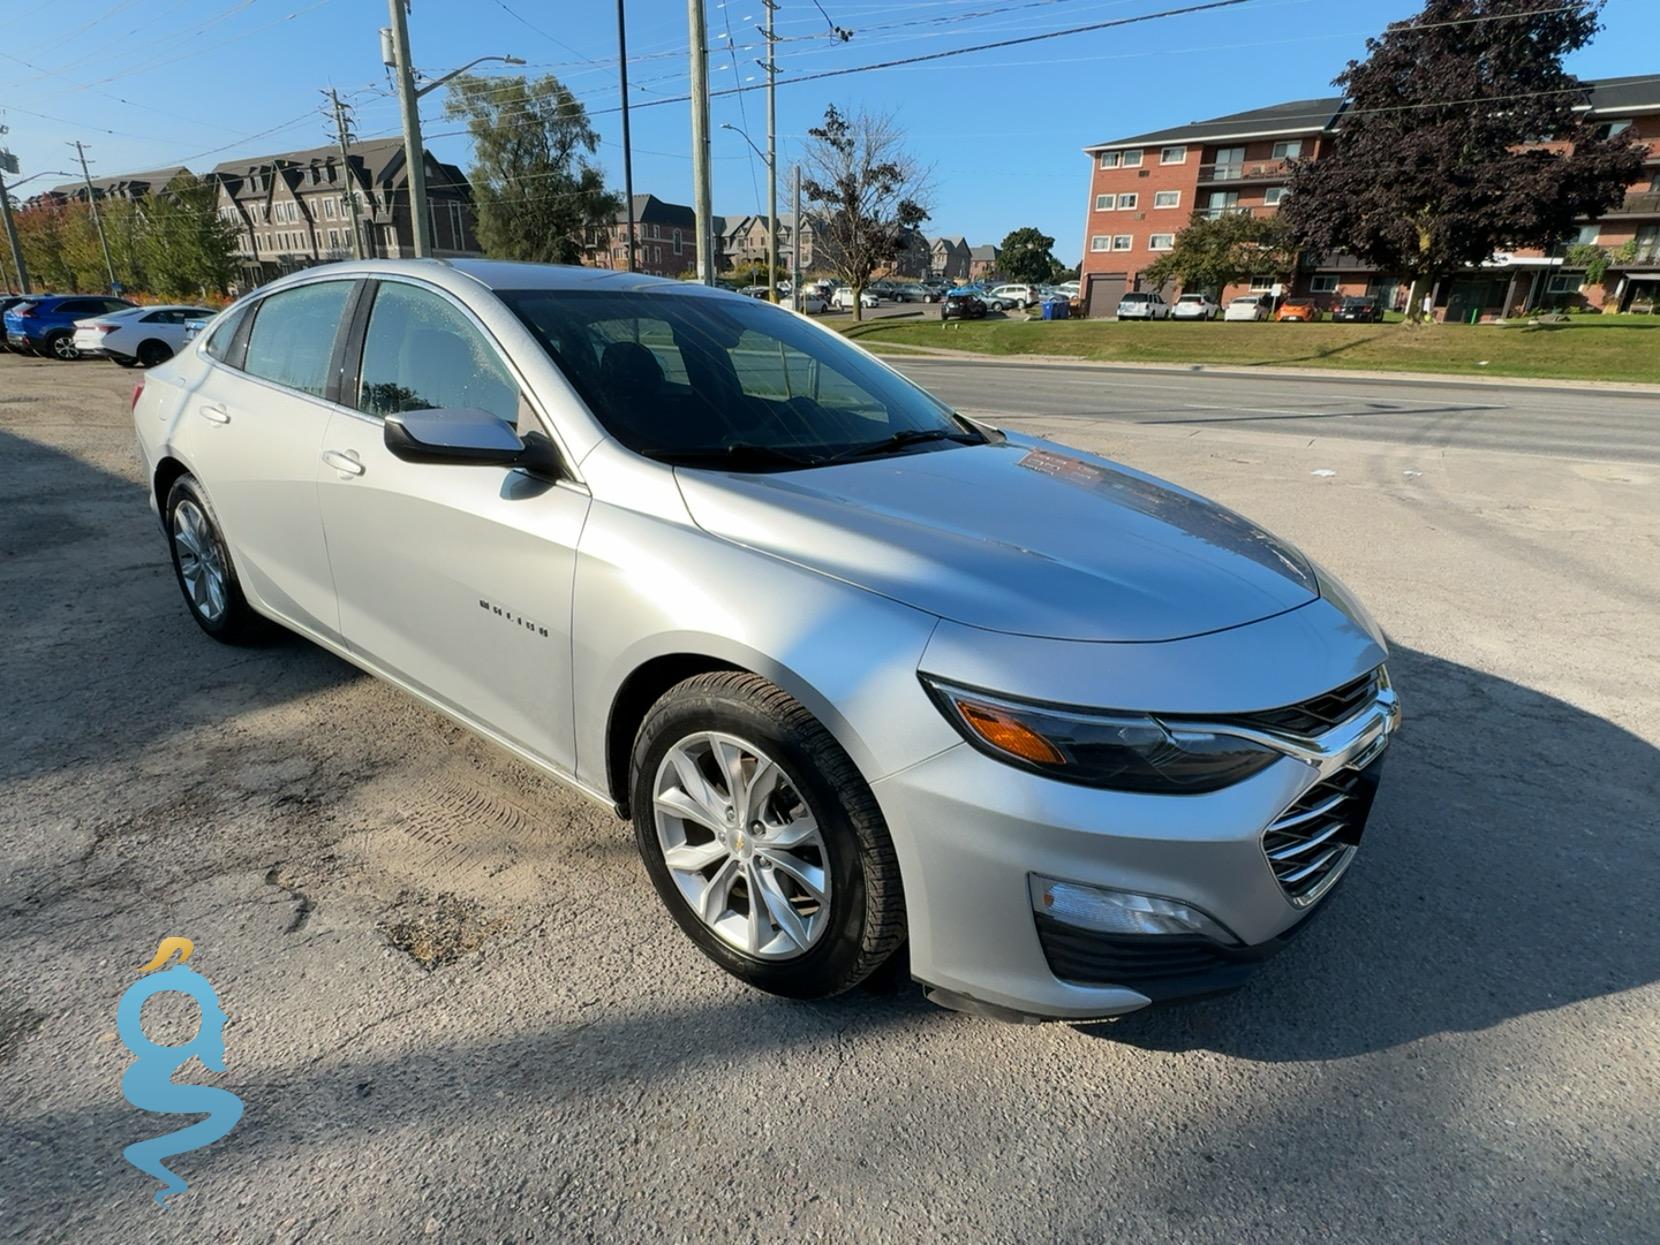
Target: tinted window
x,y
698,379
219,342
79,307
292,340
421,353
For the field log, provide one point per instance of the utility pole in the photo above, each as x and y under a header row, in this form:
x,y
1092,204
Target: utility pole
x,y
795,246
97,221
343,133
413,154
772,158
700,141
8,164
628,147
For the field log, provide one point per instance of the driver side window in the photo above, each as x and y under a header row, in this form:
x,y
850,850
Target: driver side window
x,y
421,353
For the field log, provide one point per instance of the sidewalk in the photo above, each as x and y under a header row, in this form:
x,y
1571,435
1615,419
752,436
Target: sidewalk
x,y
1287,373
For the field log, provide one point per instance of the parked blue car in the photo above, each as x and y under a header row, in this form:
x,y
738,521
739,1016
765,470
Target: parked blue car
x,y
45,323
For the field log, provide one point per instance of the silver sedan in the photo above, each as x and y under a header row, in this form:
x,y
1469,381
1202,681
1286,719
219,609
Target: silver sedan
x,y
861,671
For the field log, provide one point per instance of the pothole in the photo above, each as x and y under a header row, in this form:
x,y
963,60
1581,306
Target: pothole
x,y
441,930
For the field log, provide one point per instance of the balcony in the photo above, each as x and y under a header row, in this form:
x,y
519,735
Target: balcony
x,y
1646,256
1216,213
1245,171
1638,203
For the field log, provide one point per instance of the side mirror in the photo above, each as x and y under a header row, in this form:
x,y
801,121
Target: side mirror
x,y
468,437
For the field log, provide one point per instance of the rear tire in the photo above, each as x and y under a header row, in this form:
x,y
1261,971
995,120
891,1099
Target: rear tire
x,y
61,346
203,567
123,360
153,353
814,828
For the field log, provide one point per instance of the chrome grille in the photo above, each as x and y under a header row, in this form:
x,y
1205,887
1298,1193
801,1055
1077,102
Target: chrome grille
x,y
1318,714
1310,844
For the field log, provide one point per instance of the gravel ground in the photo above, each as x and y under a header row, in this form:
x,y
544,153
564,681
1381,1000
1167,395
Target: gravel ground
x,y
457,1009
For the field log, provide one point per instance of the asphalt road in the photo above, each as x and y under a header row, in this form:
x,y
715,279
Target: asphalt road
x,y
1466,1047
1570,421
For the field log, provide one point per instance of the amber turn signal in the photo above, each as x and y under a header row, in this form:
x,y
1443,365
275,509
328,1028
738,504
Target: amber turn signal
x,y
1000,730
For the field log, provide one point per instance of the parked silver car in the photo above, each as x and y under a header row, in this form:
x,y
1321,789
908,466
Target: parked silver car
x,y
861,671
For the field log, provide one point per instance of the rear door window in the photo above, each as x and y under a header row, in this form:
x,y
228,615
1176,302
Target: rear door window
x,y
292,340
421,352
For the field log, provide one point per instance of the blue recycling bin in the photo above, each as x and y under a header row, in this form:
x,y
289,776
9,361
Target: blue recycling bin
x,y
1056,309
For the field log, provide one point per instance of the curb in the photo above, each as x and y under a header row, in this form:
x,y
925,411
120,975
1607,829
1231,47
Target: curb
x,y
1284,373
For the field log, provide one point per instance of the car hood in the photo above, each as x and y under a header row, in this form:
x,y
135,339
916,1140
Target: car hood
x,y
1025,537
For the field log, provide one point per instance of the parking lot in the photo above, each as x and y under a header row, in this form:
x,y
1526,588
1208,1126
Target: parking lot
x,y
457,1008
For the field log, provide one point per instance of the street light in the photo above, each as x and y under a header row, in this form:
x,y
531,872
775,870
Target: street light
x,y
394,52
10,165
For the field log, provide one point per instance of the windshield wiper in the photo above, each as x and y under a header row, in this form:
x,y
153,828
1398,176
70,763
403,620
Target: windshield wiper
x,y
899,440
735,457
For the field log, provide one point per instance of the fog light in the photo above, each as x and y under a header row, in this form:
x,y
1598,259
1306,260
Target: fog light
x,y
1121,912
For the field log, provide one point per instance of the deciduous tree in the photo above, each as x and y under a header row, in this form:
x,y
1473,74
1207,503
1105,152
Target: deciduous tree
x,y
1027,255
1460,138
869,192
1214,252
538,195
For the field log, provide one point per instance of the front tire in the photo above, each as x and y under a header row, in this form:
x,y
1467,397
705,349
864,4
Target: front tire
x,y
62,346
203,567
763,839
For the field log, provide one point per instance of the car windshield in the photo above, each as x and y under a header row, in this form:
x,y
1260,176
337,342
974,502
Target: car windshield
x,y
1135,298
708,381
1191,298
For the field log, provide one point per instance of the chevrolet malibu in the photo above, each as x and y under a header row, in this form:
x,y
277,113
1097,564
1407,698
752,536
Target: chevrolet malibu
x,y
861,671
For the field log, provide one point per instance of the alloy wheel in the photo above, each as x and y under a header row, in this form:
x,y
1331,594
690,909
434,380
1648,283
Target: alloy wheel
x,y
744,850
201,560
64,348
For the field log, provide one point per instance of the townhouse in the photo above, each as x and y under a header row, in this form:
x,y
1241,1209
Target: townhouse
x,y
665,238
294,210
1144,189
129,186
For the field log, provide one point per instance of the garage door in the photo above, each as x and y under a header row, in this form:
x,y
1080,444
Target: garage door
x,y
1104,291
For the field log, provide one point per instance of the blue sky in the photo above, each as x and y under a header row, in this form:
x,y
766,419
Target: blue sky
x,y
150,83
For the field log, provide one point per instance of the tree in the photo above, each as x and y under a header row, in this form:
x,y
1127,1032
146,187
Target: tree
x,y
1450,146
870,193
1027,255
1214,252
538,196
182,247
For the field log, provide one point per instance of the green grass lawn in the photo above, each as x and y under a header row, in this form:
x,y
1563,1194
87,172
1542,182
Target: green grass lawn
x,y
1609,347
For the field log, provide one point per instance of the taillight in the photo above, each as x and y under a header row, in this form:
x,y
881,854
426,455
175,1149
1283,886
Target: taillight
x,y
138,392
23,313
106,328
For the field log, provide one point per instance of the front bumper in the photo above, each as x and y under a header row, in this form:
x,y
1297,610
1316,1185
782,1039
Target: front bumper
x,y
970,831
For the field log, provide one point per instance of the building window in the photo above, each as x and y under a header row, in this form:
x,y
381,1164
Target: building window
x,y
1132,158
1230,163
1100,242
1262,285
1588,234
1288,150
1167,198
1564,283
1612,128
1122,241
1273,195
1127,203
677,241
1111,159
1322,283
328,208
1105,203
1161,242
1173,155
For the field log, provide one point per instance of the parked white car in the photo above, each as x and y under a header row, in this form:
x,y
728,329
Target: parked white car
x,y
1195,307
842,299
138,335
813,303
1247,307
1017,295
1143,305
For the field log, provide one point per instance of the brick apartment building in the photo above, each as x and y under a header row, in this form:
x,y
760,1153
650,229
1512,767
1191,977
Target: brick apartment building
x,y
1145,188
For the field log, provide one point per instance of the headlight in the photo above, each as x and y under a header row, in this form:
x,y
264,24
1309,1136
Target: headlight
x,y
1124,751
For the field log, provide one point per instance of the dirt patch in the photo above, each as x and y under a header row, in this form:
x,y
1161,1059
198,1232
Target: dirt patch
x,y
441,929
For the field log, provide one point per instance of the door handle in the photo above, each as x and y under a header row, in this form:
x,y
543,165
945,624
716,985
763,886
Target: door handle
x,y
343,461
214,414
